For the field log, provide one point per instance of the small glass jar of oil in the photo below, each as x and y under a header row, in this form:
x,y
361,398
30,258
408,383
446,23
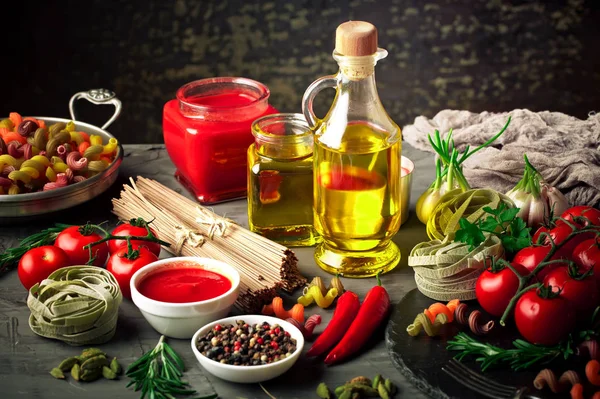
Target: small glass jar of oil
x,y
280,180
357,187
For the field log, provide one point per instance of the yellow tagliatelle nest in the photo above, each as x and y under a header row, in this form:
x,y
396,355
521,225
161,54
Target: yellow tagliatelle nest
x,y
454,205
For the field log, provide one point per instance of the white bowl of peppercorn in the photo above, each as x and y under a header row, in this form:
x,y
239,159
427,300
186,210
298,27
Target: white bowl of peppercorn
x,y
248,348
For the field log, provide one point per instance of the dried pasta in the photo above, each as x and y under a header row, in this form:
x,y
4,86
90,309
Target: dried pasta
x,y
547,378
96,166
95,140
276,308
422,322
592,370
110,147
93,152
472,319
589,347
39,157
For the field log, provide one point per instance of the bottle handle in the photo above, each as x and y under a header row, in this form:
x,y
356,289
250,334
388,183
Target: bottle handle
x,y
309,96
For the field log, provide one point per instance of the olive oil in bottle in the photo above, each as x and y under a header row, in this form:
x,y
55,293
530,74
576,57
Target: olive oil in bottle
x,y
280,180
357,194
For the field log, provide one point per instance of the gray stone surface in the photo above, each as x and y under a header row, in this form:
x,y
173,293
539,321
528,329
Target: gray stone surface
x,y
25,359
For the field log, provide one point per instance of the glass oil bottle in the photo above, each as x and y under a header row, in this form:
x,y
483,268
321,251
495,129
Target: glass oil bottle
x,y
357,193
280,180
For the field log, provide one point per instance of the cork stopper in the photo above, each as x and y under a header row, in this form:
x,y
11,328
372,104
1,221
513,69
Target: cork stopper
x,y
356,38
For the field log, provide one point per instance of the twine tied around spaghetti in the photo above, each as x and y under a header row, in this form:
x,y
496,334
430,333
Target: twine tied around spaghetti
x,y
193,237
217,225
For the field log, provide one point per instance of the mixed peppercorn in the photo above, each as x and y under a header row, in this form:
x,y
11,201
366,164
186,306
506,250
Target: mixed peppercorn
x,y
243,344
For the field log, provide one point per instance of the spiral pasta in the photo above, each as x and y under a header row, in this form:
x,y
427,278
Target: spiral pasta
x,y
96,166
93,152
438,308
472,319
61,181
39,138
547,378
422,322
77,138
592,372
56,140
76,161
6,159
110,147
95,140
276,308
36,157
590,347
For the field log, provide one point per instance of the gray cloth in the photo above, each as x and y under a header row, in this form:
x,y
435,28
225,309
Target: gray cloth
x,y
564,149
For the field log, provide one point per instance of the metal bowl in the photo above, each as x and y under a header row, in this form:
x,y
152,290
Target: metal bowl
x,y
13,207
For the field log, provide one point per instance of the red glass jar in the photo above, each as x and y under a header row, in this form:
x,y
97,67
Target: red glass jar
x,y
207,131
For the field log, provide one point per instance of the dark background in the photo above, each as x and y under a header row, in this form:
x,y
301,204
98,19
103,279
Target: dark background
x,y
465,54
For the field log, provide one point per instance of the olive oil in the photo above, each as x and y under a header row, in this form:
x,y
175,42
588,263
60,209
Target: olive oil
x,y
280,180
280,199
357,162
357,201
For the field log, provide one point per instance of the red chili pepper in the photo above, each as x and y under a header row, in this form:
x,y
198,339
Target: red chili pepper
x,y
373,310
345,312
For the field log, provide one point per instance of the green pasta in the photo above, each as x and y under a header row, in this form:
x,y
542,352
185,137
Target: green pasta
x,y
93,152
58,139
56,128
422,322
39,138
96,166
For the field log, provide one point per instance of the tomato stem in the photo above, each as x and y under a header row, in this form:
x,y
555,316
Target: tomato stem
x,y
524,280
108,236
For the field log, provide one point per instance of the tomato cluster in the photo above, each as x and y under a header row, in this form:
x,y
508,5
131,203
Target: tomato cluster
x,y
554,296
69,249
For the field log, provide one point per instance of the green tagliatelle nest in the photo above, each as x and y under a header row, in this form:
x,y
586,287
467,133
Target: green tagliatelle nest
x,y
446,270
78,305
454,205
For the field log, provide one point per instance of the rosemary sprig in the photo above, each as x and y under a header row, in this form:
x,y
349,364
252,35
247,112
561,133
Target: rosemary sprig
x,y
158,374
522,356
10,257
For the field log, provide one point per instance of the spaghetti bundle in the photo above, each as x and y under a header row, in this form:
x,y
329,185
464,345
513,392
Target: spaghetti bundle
x,y
193,230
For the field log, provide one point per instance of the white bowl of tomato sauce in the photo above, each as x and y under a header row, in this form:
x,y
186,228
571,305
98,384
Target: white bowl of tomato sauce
x,y
179,295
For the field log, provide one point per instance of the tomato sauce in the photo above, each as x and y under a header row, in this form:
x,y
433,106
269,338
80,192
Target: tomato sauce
x,y
207,134
184,284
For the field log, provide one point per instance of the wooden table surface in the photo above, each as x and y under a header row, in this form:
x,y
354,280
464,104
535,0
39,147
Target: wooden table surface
x,y
26,359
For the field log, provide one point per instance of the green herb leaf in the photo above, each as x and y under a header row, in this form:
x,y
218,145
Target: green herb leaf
x,y
158,373
490,224
508,215
469,233
502,222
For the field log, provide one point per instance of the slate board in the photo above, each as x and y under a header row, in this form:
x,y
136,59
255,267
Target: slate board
x,y
420,359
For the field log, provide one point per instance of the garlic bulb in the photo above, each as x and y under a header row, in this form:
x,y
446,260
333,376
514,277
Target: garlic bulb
x,y
536,199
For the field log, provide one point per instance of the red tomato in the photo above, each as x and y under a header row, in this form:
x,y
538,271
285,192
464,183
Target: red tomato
x,y
530,257
38,263
73,239
536,236
128,229
544,321
495,289
587,255
582,293
560,234
592,214
123,267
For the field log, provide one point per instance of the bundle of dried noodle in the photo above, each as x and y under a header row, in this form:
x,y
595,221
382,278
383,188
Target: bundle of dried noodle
x,y
193,230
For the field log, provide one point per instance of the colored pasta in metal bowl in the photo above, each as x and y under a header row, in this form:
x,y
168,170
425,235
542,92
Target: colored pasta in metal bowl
x,y
35,156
